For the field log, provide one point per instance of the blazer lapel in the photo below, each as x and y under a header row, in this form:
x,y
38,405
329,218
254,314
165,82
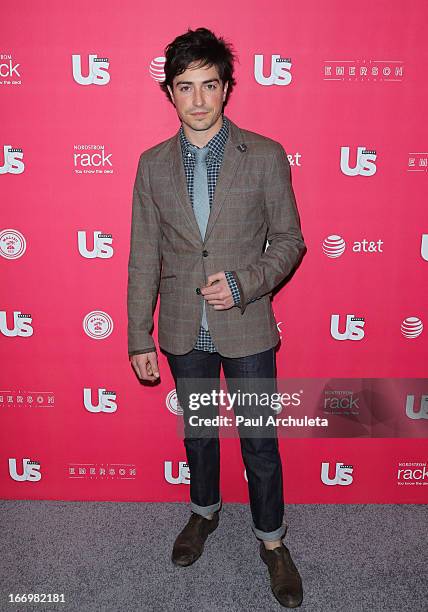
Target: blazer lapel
x,y
178,180
231,159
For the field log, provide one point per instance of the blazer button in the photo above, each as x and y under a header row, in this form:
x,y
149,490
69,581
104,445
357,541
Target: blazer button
x,y
205,253
198,291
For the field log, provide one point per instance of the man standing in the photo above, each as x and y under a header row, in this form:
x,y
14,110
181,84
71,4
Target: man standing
x,y
205,202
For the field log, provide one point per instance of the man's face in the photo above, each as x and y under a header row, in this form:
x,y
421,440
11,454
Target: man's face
x,y
198,90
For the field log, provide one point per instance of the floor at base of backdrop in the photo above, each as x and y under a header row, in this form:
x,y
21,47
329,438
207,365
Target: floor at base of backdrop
x,y
108,556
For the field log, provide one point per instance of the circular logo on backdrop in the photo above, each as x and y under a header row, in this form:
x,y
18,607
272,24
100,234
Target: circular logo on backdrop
x,y
156,68
172,403
411,327
333,246
12,244
98,325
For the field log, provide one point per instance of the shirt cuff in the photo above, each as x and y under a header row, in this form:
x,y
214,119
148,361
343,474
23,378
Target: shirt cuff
x,y
234,288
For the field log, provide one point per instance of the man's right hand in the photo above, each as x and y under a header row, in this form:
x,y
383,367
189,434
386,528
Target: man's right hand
x,y
146,366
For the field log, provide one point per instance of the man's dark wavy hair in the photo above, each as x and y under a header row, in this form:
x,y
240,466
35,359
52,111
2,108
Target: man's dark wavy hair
x,y
194,46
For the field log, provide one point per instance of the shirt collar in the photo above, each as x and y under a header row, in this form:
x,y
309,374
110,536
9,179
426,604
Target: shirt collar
x,y
215,145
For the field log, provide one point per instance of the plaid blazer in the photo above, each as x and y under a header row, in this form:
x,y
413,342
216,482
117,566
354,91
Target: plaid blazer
x,y
253,201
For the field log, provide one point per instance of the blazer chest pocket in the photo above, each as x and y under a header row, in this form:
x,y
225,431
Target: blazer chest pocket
x,y
167,283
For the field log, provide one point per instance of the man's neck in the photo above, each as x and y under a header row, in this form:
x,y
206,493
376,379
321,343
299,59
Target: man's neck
x,y
200,138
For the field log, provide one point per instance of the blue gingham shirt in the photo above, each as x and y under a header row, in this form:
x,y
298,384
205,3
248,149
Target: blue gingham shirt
x,y
213,160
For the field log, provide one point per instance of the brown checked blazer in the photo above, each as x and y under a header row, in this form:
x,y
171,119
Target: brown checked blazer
x,y
253,201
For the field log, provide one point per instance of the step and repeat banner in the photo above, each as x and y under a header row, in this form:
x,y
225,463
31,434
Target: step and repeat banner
x,y
344,90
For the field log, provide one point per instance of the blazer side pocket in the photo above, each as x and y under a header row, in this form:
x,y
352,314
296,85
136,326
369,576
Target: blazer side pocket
x,y
167,283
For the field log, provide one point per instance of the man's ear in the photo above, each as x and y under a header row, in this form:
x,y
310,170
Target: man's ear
x,y
171,94
225,90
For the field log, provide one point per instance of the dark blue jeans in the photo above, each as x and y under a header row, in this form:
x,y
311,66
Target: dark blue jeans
x,y
260,455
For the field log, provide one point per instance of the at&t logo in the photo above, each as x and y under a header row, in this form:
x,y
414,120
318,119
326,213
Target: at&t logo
x,y
156,68
412,327
97,70
334,246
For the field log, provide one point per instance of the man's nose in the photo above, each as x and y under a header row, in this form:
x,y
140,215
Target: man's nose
x,y
198,97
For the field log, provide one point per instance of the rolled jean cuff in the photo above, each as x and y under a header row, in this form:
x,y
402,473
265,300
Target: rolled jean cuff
x,y
205,510
269,536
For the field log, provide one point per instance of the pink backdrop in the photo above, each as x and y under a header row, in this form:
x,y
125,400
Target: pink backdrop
x,y
347,99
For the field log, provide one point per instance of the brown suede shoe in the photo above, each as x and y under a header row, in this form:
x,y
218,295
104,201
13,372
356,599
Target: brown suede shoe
x,y
189,543
285,580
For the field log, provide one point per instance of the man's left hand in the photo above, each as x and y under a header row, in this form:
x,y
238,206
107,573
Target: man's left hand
x,y
217,292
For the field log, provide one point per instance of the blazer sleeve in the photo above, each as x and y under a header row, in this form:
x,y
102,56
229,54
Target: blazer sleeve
x,y
286,243
144,264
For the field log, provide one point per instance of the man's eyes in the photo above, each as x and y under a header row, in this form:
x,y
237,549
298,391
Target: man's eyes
x,y
209,86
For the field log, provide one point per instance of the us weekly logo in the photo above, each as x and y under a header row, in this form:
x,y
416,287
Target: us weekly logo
x,y
353,328
12,160
337,474
417,408
90,69
95,245
27,470
100,400
16,323
363,164
176,472
272,70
